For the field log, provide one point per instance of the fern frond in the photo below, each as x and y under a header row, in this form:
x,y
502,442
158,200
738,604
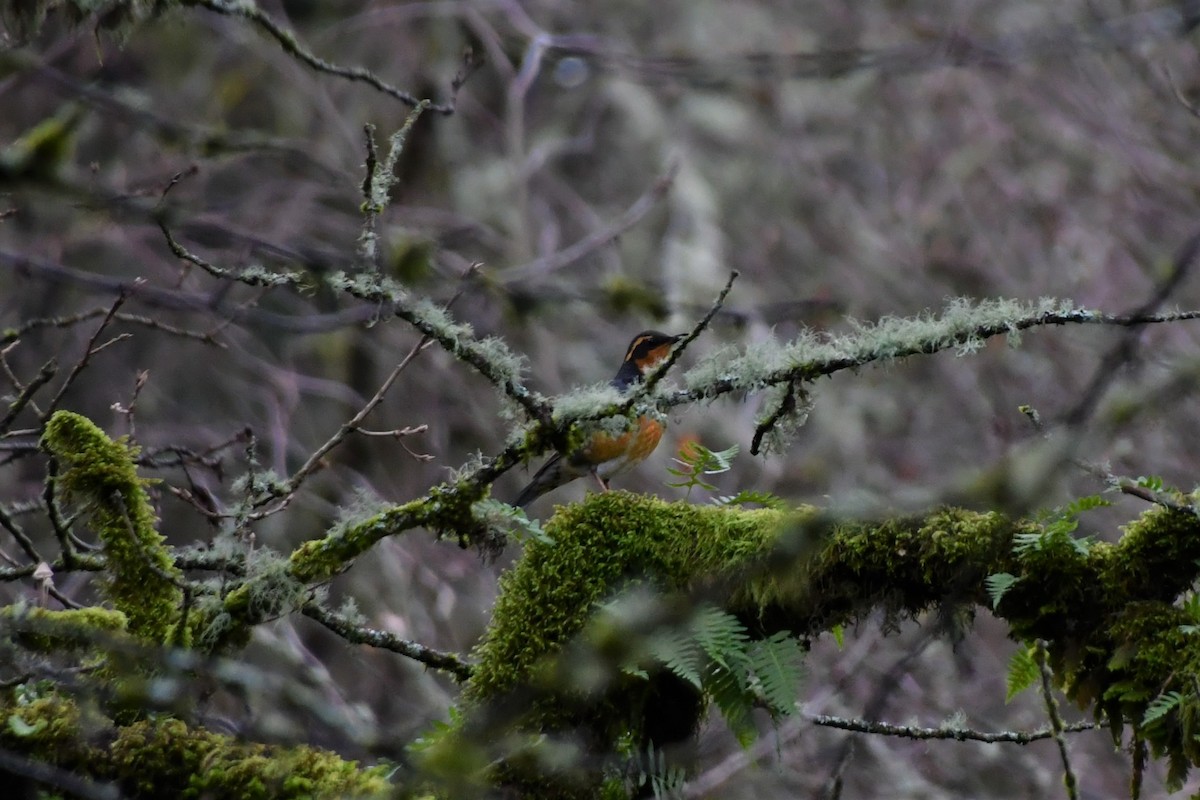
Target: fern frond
x,y
1022,673
777,665
997,585
1160,706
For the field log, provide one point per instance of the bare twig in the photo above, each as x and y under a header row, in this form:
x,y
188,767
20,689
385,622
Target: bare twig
x,y
661,370
129,410
250,277
87,354
400,434
1125,349
14,333
880,697
40,566
287,40
45,374
288,489
175,300
1188,105
1056,723
569,255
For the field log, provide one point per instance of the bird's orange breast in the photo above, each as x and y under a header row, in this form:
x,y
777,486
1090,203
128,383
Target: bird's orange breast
x,y
615,454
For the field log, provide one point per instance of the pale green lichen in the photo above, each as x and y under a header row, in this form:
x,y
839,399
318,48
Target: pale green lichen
x,y
962,325
99,474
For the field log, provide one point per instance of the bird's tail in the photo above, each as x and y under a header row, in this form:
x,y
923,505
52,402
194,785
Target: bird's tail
x,y
552,475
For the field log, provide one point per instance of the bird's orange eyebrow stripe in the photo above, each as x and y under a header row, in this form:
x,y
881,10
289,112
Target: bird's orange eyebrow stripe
x,y
634,346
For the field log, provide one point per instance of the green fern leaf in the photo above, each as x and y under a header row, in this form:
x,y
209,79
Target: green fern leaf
x,y
997,585
720,635
1022,673
678,652
1160,706
777,666
730,692
751,497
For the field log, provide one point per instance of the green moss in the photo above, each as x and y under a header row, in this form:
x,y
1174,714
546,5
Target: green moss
x,y
597,546
52,631
99,473
167,758
1115,638
832,573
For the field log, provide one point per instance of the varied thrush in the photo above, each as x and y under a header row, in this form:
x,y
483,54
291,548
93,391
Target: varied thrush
x,y
607,456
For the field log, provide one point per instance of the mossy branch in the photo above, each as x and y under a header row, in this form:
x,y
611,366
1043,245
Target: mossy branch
x,y
167,758
1114,637
98,473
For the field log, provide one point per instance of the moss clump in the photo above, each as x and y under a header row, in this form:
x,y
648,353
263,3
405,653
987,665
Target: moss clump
x,y
167,758
99,473
1115,637
53,631
597,546
163,758
826,573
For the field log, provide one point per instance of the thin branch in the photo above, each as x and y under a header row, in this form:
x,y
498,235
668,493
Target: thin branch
x,y
250,277
661,370
288,488
953,733
1056,723
378,183
45,374
864,355
594,241
87,354
14,530
953,49
287,40
1188,105
130,410
171,299
360,634
1126,348
787,405
40,566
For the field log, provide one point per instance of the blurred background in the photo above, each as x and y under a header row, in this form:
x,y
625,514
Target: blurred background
x,y
610,164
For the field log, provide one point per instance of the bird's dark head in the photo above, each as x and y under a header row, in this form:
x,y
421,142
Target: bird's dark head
x,y
645,352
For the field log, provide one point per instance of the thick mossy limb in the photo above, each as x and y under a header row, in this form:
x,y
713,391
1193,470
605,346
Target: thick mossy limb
x,y
159,758
597,546
825,573
1115,639
47,631
98,473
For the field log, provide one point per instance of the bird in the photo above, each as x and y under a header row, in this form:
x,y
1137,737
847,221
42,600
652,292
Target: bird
x,y
606,455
